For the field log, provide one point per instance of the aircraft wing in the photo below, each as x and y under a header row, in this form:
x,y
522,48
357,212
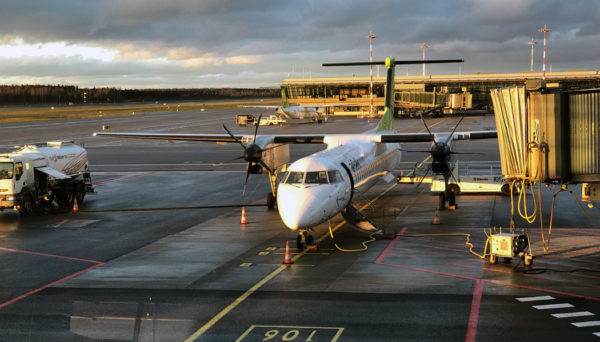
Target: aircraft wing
x,y
417,137
267,107
298,138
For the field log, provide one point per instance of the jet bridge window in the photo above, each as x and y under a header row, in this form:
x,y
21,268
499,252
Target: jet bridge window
x,y
316,177
6,170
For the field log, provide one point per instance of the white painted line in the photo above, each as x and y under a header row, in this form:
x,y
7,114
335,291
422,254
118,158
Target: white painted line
x,y
573,314
586,324
532,299
553,306
597,334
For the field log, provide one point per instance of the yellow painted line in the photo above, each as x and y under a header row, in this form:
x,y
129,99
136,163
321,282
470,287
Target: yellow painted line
x,y
272,275
235,303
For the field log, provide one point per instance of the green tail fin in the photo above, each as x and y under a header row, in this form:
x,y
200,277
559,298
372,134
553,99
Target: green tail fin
x,y
386,122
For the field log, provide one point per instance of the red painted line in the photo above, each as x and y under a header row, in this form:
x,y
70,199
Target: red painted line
x,y
389,247
50,255
428,271
474,316
25,295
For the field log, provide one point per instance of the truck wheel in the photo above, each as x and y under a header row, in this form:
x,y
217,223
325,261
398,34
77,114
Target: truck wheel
x,y
79,193
27,207
455,189
506,189
64,198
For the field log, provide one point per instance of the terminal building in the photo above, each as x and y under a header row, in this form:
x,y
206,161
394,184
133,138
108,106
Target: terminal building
x,y
416,94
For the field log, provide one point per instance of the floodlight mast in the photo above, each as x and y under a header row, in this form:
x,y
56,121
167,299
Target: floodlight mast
x,y
390,64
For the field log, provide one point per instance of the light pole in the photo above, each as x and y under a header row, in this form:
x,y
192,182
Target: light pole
x,y
424,47
370,37
545,30
532,43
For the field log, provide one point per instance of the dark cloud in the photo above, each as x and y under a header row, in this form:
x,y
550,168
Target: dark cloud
x,y
156,37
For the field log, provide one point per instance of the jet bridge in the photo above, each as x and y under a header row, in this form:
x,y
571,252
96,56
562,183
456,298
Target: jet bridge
x,y
549,136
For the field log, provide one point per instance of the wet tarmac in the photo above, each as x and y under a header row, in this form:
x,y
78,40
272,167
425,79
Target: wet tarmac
x,y
159,254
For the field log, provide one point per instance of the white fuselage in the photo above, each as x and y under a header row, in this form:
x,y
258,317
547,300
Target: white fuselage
x,y
306,198
298,112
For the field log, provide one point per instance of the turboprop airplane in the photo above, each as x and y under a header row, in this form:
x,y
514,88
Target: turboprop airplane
x,y
314,113
316,188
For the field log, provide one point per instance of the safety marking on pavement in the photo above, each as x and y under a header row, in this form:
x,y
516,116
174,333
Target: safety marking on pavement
x,y
290,333
532,299
34,291
263,253
563,314
272,275
71,224
573,314
586,324
271,248
553,306
246,264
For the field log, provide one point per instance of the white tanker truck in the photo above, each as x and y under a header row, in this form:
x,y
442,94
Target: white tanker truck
x,y
39,176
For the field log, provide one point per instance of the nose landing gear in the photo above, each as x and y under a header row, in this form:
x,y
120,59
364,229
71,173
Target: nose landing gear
x,y
304,239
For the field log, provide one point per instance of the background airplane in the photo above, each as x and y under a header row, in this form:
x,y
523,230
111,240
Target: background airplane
x,y
316,188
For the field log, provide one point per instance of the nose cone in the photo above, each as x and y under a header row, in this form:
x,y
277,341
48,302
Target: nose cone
x,y
301,207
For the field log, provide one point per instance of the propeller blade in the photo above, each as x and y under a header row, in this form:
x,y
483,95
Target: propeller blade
x,y
256,129
265,166
246,181
228,161
427,128
233,136
425,175
454,130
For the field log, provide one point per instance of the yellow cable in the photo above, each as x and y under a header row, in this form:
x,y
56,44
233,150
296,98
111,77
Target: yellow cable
x,y
364,243
467,242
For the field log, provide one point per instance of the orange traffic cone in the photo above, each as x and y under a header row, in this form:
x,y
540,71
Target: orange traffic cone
x,y
243,221
288,255
436,217
75,206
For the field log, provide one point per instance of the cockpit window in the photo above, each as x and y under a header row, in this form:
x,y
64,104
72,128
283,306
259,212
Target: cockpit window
x,y
335,176
6,170
294,177
316,177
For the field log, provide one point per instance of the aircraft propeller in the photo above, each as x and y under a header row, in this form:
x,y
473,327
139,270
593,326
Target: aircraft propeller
x,y
252,154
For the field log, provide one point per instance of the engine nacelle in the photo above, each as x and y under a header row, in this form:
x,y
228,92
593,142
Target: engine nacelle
x,y
255,168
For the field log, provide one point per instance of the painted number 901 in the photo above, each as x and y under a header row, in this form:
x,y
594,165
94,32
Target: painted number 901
x,y
286,335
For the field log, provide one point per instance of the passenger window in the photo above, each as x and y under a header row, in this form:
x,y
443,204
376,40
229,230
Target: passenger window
x,y
18,170
318,177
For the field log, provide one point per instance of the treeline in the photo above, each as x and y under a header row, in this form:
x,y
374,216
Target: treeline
x,y
59,94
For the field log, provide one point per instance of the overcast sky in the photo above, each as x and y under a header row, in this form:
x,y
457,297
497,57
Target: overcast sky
x,y
221,43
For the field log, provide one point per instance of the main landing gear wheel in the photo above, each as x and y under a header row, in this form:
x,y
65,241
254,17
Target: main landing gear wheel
x,y
310,240
270,200
299,243
304,239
